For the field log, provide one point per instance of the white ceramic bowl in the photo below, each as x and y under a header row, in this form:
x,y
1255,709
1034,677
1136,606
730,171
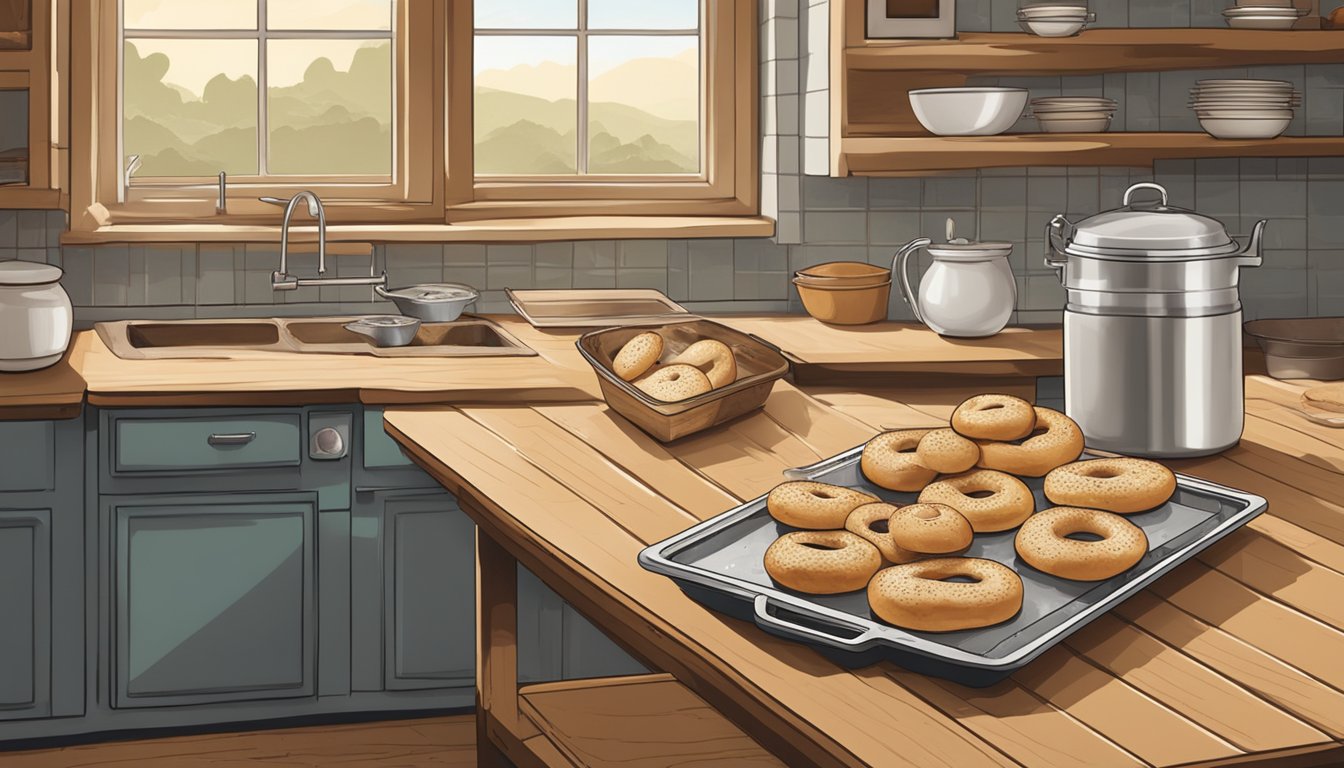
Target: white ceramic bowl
x,y
969,111
1052,27
1261,22
1070,125
1244,128
1052,11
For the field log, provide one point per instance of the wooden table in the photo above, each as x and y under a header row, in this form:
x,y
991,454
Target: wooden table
x,y
56,392
1234,658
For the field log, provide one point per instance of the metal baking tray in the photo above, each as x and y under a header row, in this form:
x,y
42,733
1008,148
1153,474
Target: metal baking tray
x,y
595,308
720,563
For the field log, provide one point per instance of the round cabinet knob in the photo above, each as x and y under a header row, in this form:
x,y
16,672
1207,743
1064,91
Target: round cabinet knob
x,y
328,442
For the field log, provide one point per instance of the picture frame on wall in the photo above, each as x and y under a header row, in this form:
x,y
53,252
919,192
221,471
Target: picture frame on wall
x,y
912,18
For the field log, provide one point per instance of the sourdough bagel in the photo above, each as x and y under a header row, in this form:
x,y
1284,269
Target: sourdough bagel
x,y
946,452
918,596
872,522
814,506
674,383
637,356
822,562
1043,543
714,358
1115,485
1009,501
1328,397
994,417
890,461
1055,441
930,529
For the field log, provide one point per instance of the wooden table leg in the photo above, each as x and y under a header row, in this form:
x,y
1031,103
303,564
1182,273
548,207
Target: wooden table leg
x,y
496,648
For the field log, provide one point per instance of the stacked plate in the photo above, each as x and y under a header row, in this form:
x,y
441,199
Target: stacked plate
x,y
1073,114
1054,19
1263,14
1244,109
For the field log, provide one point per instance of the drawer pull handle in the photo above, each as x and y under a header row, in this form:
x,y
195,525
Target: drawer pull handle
x,y
239,438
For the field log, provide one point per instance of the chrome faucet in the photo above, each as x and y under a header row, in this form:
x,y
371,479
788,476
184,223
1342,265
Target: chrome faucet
x,y
281,280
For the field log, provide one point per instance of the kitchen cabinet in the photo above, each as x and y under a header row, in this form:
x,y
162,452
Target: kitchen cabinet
x,y
28,142
41,570
212,597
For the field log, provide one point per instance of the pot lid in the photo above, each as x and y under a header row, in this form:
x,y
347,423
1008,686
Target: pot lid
x,y
961,249
1145,226
436,293
28,273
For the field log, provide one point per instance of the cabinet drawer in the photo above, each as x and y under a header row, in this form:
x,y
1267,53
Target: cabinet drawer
x,y
27,455
207,443
380,450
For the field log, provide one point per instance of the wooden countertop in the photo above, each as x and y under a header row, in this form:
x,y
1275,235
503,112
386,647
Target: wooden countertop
x,y
1233,658
56,392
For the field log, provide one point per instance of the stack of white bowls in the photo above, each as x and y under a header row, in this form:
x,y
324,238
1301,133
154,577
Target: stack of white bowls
x,y
1054,19
1244,109
1073,114
1263,14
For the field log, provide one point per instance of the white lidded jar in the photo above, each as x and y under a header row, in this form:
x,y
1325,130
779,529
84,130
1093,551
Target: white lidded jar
x,y
35,316
968,291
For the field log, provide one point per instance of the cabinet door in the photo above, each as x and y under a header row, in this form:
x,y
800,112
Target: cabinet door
x,y
213,598
25,605
413,569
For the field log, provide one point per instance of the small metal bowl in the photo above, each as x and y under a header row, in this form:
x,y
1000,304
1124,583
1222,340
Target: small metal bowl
x,y
432,303
386,330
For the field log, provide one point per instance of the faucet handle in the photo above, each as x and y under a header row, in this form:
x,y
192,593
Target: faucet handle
x,y
281,281
282,202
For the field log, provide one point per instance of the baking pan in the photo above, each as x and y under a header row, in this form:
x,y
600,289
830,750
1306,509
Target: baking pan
x,y
598,308
720,563
759,365
1301,348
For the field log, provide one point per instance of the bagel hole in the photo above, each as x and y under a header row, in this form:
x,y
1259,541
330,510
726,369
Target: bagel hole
x,y
928,514
1102,473
822,547
881,525
1084,536
1036,432
961,578
979,494
823,494
993,407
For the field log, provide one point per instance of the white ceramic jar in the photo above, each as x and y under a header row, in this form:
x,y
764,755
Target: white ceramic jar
x,y
35,316
968,292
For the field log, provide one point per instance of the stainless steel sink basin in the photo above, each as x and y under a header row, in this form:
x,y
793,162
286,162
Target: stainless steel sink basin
x,y
183,339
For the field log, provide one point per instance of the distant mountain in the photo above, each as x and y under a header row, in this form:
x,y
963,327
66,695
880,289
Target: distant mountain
x,y
661,87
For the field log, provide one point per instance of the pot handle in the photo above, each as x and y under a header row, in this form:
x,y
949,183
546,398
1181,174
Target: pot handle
x,y
900,264
1253,254
1057,234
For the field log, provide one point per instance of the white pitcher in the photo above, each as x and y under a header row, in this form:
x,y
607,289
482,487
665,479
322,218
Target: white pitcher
x,y
968,292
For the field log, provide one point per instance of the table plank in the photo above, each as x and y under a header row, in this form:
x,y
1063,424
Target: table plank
x,y
1220,600
1120,712
747,456
1272,569
1188,687
1270,677
826,431
623,444
1305,510
774,679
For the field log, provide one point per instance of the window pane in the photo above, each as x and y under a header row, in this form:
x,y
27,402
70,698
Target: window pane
x,y
363,15
654,14
14,137
644,104
527,14
190,106
189,14
526,118
330,106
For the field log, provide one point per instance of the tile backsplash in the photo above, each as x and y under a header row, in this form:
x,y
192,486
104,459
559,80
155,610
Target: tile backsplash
x,y
820,218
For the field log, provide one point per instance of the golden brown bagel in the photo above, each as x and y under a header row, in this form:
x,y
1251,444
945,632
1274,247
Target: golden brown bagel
x,y
889,460
1059,442
822,562
918,596
1115,485
1044,543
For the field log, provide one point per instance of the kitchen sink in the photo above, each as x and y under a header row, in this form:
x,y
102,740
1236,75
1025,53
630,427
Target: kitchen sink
x,y
183,339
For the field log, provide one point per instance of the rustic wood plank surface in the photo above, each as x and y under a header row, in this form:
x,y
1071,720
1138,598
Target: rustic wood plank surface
x,y
448,742
56,392
1233,657
650,721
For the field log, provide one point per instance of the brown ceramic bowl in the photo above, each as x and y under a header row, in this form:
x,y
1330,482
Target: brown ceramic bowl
x,y
845,305
836,274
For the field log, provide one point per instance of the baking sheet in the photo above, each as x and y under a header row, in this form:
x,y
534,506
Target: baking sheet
x,y
598,308
721,562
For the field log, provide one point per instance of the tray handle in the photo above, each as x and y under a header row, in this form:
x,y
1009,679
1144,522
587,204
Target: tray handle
x,y
791,631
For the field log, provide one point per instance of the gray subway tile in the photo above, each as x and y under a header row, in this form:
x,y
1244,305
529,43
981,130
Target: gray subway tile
x,y
641,254
836,227
111,276
710,265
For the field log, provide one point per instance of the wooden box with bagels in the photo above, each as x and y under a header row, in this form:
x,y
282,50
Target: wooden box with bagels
x,y
963,552
676,379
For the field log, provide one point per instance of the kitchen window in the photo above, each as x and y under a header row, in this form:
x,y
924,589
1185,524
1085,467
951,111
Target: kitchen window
x,y
413,111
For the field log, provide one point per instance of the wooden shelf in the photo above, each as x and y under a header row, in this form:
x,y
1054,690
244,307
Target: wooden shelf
x,y
881,156
645,721
1100,50
17,196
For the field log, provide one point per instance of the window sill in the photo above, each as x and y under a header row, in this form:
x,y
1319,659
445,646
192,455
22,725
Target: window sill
x,y
485,231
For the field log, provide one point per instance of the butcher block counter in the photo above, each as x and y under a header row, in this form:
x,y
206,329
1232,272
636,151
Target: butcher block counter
x,y
1235,658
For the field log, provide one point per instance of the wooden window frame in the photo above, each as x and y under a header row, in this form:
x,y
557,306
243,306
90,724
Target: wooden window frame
x,y
436,62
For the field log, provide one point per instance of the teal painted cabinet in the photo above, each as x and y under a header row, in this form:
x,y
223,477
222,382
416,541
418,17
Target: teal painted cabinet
x,y
41,570
212,597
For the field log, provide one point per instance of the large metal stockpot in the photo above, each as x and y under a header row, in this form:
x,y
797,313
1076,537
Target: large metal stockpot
x,y
1152,328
